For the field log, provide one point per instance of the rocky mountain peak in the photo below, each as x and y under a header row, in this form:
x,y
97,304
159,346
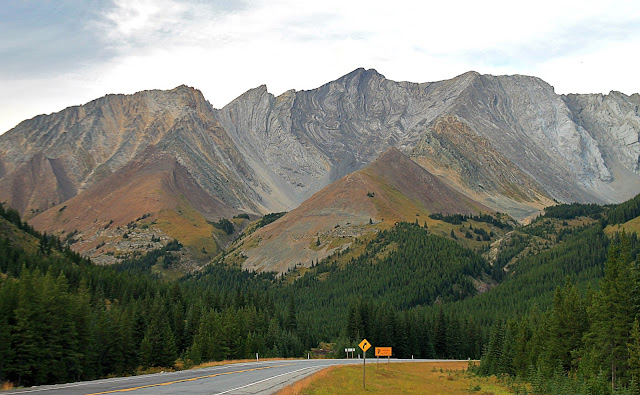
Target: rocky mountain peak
x,y
508,142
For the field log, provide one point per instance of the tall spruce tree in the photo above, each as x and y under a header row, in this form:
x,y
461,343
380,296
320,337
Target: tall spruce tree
x,y
633,347
611,315
567,325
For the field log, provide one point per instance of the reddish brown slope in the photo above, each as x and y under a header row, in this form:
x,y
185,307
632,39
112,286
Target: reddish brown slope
x,y
154,186
393,188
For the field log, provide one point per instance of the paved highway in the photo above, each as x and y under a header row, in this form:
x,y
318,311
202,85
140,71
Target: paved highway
x,y
243,378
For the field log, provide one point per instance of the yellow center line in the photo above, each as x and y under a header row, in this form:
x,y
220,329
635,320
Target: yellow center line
x,y
189,379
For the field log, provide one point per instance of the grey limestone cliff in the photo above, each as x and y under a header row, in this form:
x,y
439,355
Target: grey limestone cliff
x,y
509,142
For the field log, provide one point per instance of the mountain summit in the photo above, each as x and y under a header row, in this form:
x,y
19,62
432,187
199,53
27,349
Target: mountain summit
x,y
390,189
509,143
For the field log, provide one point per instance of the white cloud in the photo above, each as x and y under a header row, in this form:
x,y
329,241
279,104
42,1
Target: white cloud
x,y
227,47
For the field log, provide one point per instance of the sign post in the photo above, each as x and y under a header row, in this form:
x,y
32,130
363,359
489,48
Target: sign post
x,y
383,352
350,350
364,346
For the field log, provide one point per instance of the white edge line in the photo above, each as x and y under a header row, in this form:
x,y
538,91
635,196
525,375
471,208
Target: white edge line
x,y
271,378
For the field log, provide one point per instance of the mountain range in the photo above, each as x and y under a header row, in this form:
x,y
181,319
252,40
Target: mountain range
x,y
126,173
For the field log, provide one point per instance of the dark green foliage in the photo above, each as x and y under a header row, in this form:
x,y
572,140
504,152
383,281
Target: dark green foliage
x,y
482,234
13,216
573,210
63,319
582,344
242,215
611,315
624,212
514,246
458,219
166,254
224,225
269,218
422,268
581,257
412,334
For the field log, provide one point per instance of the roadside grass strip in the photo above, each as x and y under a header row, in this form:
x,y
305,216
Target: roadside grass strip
x,y
398,378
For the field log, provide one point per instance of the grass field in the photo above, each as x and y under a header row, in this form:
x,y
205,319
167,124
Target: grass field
x,y
398,378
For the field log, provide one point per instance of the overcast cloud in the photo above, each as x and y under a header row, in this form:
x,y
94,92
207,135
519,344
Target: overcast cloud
x,y
58,53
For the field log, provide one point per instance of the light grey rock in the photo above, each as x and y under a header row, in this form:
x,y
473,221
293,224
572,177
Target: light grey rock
x,y
523,144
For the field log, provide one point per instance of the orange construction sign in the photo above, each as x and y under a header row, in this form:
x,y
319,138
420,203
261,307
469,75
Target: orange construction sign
x,y
383,351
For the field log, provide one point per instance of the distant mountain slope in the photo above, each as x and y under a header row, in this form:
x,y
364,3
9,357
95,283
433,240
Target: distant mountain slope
x,y
532,149
391,189
508,142
151,199
100,167
51,158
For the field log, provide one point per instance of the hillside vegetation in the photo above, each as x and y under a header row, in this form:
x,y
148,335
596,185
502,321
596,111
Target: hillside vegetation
x,y
63,318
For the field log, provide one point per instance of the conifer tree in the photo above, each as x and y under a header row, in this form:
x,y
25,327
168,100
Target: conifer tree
x,y
490,363
158,345
633,347
612,314
567,324
27,335
440,341
291,321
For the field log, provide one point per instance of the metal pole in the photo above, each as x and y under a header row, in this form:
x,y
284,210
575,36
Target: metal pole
x,y
364,368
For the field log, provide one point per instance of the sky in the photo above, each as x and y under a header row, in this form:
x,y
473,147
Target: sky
x,y
59,53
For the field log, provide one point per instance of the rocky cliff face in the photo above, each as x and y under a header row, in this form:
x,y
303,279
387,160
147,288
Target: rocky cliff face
x,y
511,142
508,142
49,159
613,121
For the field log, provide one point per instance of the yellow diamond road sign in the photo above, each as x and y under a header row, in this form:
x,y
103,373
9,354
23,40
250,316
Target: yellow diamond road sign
x,y
364,345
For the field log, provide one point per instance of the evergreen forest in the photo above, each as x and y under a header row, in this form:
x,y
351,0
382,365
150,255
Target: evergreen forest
x,y
555,303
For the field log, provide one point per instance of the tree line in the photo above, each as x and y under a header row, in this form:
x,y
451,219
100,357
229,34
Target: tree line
x,y
584,343
63,319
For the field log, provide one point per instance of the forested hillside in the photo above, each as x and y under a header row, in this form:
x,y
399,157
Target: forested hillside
x,y
586,343
63,318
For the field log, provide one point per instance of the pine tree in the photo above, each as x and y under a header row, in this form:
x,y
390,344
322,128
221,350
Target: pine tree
x,y
352,325
158,345
633,348
612,314
567,324
6,300
440,341
291,321
27,335
490,363
521,361
507,354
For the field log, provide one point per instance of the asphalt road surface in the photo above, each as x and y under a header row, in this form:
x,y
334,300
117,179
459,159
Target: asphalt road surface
x,y
242,378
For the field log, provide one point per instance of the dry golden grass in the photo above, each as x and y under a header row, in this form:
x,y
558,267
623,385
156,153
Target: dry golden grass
x,y
300,386
629,227
7,385
398,378
191,228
